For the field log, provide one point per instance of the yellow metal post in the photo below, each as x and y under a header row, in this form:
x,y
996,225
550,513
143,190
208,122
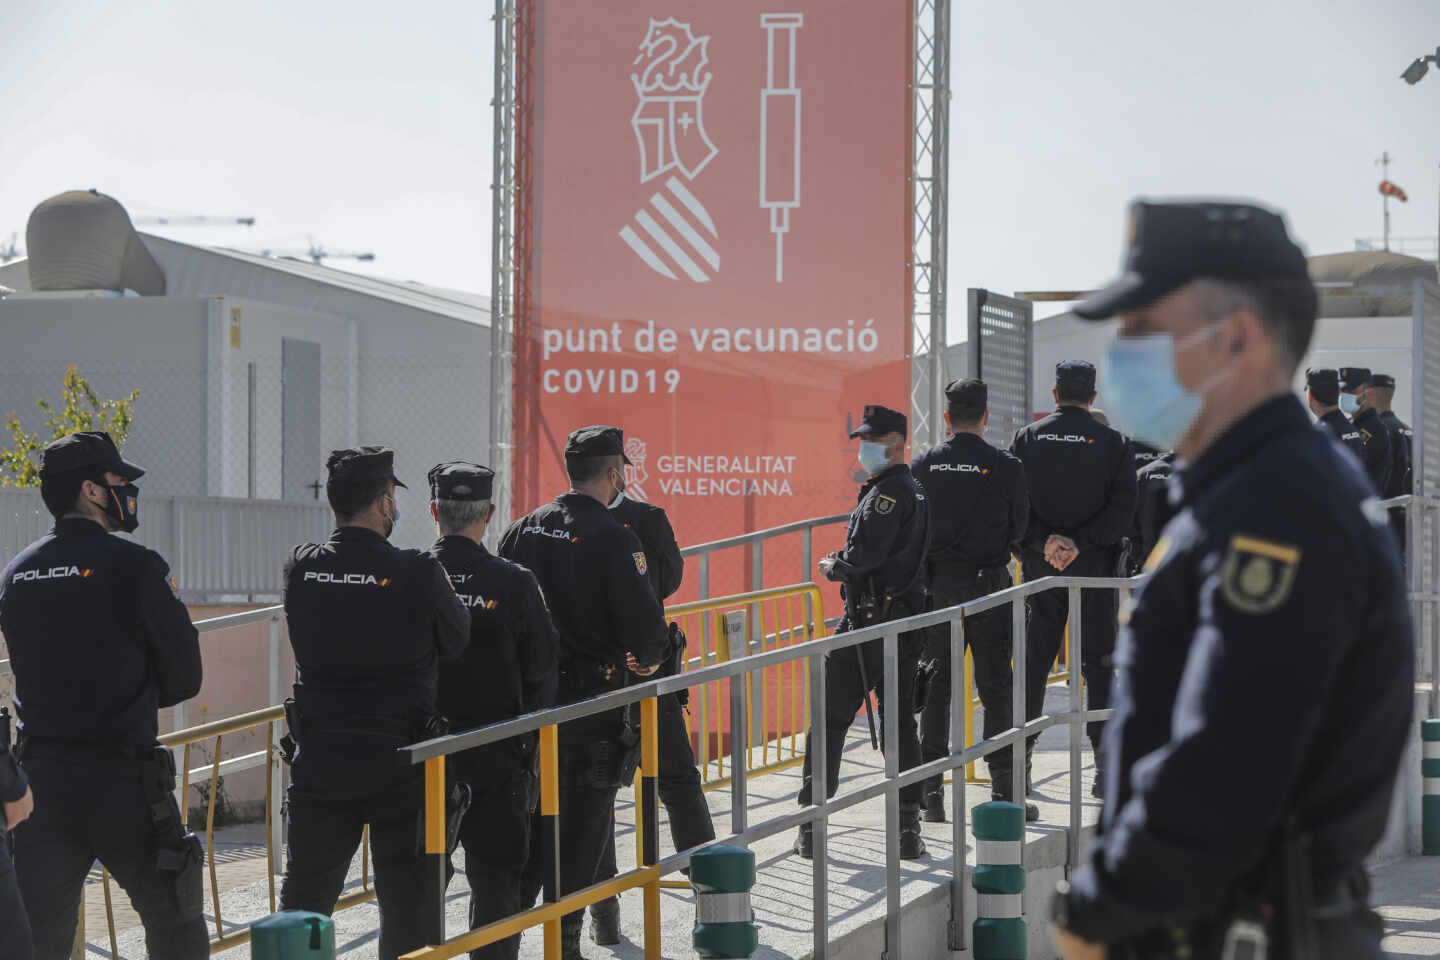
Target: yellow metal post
x,y
649,804
435,855
550,825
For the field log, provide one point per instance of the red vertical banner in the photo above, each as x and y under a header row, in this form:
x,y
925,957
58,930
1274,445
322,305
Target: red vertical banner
x,y
718,223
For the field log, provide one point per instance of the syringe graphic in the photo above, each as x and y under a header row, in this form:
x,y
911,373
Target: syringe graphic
x,y
780,129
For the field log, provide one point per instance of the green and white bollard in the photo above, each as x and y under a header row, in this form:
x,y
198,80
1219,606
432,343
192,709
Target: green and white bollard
x,y
293,935
999,881
1430,777
724,921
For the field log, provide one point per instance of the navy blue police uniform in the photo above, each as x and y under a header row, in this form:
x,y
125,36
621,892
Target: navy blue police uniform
x,y
979,509
1082,486
1400,481
679,778
508,669
368,623
1272,641
1374,437
594,572
1144,453
882,570
18,943
81,599
1323,383
1153,507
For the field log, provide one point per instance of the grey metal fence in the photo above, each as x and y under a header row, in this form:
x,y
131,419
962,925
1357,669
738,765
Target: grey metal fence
x,y
216,546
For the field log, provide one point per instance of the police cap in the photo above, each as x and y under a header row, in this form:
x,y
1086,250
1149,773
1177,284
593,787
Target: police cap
x,y
1176,242
1382,380
362,463
1353,378
877,421
1076,374
459,480
595,441
88,450
1324,383
970,393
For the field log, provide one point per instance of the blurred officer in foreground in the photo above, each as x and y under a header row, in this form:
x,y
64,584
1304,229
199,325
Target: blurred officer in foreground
x,y
99,641
1082,504
679,780
508,669
610,622
979,507
1323,393
882,569
369,623
1355,404
1264,693
18,803
1400,481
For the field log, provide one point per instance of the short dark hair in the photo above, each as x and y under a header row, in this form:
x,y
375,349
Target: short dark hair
x,y
61,491
1286,305
351,496
585,469
965,414
1072,391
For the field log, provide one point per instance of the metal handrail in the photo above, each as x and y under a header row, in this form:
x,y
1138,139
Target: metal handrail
x,y
759,536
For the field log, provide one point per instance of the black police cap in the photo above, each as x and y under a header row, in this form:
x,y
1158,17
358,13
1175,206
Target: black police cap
x,y
969,392
1382,380
1176,242
1079,374
877,421
362,463
1352,378
595,441
459,480
87,450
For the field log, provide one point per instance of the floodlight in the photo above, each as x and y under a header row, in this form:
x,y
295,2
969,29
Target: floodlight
x,y
1415,71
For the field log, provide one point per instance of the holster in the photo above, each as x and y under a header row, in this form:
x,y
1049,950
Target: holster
x,y
674,663
179,851
457,804
926,673
291,740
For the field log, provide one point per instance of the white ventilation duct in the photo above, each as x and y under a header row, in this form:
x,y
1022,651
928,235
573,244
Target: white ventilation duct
x,y
84,240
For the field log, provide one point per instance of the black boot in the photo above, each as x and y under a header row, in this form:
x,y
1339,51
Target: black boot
x,y
570,935
1029,757
605,922
932,807
912,846
805,842
1032,812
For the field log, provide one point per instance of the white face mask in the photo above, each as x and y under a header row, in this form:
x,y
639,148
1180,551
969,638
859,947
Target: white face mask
x,y
872,457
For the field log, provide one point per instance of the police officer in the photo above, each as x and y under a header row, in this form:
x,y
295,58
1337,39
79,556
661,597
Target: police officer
x,y
1265,685
1355,404
508,669
609,619
679,779
979,506
369,623
1323,392
1082,504
99,641
1400,482
18,803
1144,453
882,569
1154,509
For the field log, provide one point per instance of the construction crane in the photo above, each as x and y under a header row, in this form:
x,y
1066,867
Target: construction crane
x,y
194,220
316,253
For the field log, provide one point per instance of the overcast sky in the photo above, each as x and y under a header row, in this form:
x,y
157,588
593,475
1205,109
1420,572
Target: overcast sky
x,y
367,124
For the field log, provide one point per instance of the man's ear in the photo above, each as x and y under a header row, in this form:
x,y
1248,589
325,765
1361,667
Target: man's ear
x,y
490,514
434,512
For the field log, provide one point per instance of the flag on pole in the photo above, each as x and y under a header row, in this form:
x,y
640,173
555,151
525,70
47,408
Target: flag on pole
x,y
1391,190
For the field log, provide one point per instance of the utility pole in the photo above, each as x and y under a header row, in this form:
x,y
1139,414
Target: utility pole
x,y
1384,163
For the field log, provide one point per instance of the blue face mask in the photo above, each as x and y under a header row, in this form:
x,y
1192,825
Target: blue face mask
x,y
1349,404
872,457
1142,392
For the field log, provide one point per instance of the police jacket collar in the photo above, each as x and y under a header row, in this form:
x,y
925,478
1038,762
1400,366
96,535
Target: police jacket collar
x,y
890,471
1070,408
576,500
959,439
1279,415
79,527
357,535
457,542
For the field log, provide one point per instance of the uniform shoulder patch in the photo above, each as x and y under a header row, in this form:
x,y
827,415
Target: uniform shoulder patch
x,y
174,587
1258,575
640,564
884,504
